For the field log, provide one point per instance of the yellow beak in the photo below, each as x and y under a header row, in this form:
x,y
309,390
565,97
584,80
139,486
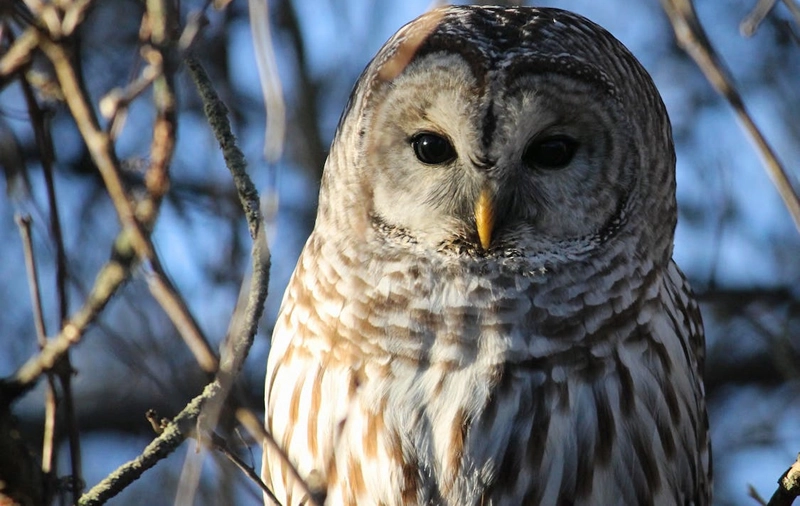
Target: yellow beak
x,y
484,218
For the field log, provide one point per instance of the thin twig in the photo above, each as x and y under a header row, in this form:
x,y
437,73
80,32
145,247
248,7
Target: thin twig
x,y
114,105
751,22
24,225
73,435
49,448
753,494
257,431
160,55
692,38
64,371
115,272
195,22
241,334
171,301
221,445
48,439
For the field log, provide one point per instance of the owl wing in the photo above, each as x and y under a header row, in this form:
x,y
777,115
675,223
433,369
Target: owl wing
x,y
690,330
613,425
307,390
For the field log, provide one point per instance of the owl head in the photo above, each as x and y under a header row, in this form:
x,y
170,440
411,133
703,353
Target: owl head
x,y
497,132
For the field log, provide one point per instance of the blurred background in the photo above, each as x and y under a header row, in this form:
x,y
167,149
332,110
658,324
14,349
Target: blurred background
x,y
735,240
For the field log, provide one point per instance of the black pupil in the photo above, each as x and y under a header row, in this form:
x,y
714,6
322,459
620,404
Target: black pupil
x,y
432,149
551,152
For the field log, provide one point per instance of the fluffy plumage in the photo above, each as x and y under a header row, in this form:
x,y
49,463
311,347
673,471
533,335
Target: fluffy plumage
x,y
500,321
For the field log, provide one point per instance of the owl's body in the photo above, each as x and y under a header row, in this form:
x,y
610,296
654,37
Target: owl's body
x,y
487,311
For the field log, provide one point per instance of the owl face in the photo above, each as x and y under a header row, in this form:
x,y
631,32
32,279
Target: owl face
x,y
531,159
512,142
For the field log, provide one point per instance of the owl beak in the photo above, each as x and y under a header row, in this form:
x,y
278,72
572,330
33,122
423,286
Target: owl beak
x,y
484,218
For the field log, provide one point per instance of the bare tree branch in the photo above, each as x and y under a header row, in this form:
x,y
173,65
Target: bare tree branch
x,y
111,276
64,370
692,38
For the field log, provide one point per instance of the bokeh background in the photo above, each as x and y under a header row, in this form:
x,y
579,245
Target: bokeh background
x,y
735,240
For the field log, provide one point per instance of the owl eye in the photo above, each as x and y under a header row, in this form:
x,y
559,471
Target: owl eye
x,y
553,152
432,149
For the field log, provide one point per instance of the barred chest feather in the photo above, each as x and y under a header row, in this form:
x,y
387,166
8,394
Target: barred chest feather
x,y
511,385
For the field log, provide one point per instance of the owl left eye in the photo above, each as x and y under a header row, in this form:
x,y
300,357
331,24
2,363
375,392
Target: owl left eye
x,y
432,149
553,152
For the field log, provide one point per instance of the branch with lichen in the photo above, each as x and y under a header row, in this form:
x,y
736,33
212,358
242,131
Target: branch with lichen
x,y
788,486
171,437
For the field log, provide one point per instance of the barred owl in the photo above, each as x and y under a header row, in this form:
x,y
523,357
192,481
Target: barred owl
x,y
487,310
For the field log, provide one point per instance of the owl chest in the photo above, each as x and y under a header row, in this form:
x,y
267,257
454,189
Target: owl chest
x,y
421,429
430,316
425,417
428,403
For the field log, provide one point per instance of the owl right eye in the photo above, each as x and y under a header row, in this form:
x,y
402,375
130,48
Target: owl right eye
x,y
432,149
554,152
